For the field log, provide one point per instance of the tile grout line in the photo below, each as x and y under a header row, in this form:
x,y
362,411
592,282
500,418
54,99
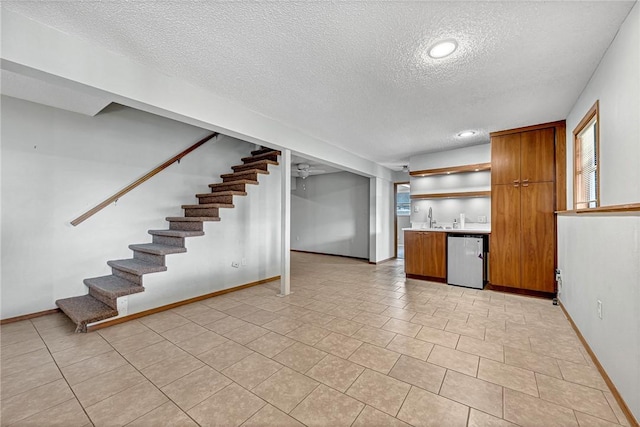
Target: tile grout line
x,y
348,387
63,376
151,382
332,301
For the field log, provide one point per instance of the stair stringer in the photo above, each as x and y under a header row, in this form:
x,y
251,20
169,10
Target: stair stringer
x,y
251,230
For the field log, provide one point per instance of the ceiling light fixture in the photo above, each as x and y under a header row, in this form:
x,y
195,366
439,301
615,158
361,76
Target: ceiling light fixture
x,y
466,133
405,168
443,48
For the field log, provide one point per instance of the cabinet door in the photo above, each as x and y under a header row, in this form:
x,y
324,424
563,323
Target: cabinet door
x,y
412,252
434,256
537,155
504,253
538,237
505,159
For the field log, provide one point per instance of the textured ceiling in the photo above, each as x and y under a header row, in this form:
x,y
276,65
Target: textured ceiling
x,y
355,74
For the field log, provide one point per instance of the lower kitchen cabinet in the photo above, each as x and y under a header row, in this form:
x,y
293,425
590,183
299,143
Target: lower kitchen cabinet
x,y
425,254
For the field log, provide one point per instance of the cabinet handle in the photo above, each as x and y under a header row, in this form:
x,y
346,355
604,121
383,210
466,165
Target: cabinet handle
x,y
525,180
525,184
516,181
516,185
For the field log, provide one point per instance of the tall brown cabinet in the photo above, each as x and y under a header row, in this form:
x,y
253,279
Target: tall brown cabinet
x,y
527,186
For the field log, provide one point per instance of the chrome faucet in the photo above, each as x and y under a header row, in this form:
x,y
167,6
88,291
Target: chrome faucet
x,y
430,216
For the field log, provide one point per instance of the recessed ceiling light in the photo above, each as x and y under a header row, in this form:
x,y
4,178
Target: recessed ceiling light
x,y
467,133
443,48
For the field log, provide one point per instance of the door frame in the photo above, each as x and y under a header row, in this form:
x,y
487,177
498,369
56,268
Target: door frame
x,y
395,215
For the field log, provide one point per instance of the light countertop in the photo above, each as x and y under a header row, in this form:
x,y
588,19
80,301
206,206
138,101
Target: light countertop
x,y
453,230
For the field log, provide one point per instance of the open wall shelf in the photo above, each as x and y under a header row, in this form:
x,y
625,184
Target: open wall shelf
x,y
453,169
457,195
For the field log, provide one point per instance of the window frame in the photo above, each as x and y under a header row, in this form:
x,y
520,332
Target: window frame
x,y
594,112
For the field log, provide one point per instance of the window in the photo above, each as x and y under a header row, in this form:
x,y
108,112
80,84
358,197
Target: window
x,y
403,204
586,166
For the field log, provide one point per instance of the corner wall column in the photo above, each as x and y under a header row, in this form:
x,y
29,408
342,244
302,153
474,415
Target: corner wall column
x,y
285,227
373,220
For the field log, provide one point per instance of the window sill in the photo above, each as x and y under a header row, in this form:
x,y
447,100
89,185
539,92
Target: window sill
x,y
633,208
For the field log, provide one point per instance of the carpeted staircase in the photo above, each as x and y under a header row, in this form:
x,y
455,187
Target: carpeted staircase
x,y
126,278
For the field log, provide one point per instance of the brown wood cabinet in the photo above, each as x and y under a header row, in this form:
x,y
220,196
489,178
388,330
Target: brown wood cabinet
x,y
412,252
523,201
425,254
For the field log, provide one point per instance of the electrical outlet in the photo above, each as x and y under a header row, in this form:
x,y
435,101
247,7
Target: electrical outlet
x,y
235,264
558,275
600,309
416,208
244,261
482,219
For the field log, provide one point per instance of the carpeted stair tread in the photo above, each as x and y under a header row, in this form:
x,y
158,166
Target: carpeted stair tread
x,y
113,286
85,309
263,156
232,183
209,205
245,172
101,301
136,266
192,218
246,166
222,193
264,150
176,233
157,249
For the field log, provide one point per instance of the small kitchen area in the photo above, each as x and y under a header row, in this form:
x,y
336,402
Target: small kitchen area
x,y
448,239
484,215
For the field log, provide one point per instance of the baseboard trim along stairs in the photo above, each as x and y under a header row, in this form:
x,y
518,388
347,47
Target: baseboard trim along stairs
x,y
126,274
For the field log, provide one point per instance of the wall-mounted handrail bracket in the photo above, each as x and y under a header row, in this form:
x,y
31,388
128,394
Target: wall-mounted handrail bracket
x,y
114,199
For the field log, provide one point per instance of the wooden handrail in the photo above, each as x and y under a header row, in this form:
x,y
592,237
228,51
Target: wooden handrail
x,y
140,180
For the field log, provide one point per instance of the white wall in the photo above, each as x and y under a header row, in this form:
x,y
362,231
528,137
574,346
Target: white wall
x,y
381,231
330,215
57,164
456,157
600,255
445,210
600,260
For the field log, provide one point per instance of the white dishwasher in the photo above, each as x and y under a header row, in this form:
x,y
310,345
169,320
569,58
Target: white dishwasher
x,y
465,260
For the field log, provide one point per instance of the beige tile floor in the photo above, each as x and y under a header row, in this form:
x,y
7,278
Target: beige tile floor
x,y
354,345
